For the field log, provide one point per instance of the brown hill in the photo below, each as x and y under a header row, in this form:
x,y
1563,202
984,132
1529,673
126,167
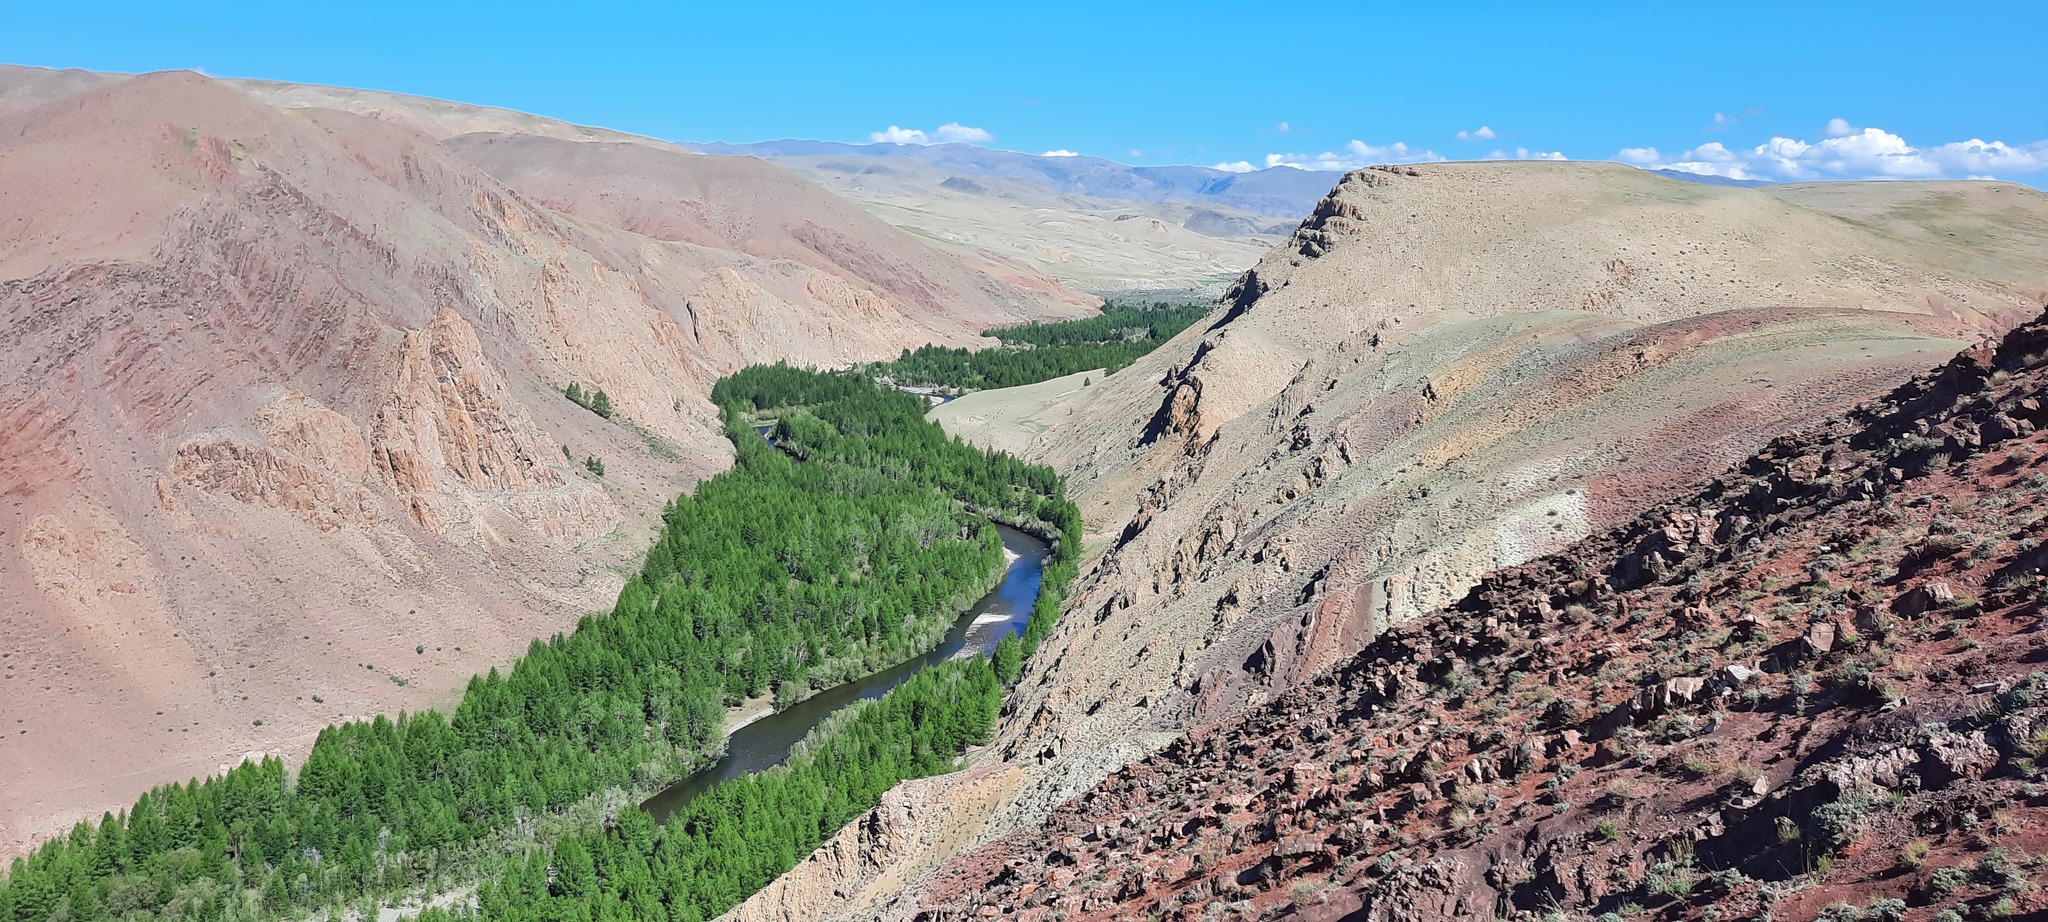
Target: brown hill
x,y
281,429
1809,689
1447,370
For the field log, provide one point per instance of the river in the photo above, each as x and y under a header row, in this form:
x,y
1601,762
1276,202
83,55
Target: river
x,y
765,743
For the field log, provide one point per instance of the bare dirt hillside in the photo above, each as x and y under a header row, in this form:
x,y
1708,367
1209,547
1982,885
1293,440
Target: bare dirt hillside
x,y
282,437
1446,370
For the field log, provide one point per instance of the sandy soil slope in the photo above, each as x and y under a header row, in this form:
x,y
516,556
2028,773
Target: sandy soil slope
x,y
1011,418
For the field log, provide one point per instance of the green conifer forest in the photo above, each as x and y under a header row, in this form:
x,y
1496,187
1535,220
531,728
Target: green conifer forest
x,y
1036,352
849,545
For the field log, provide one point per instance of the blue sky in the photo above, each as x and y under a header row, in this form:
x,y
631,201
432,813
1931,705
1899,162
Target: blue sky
x,y
1775,91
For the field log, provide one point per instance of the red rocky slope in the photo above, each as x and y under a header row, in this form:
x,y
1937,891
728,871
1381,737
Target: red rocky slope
x,y
1810,682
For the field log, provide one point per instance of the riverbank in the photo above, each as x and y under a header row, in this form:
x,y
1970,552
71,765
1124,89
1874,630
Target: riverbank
x,y
765,740
747,712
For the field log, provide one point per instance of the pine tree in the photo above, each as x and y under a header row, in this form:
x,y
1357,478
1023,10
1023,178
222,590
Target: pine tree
x,y
575,874
601,404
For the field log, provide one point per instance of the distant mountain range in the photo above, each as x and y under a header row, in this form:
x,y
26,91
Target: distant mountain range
x,y
1706,179
1279,192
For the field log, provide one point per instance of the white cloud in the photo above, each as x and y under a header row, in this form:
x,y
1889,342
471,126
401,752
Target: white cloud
x,y
898,135
1283,128
948,133
1723,121
1355,154
1482,133
1062,152
1523,153
954,131
1137,153
1850,153
1713,151
1978,159
1239,166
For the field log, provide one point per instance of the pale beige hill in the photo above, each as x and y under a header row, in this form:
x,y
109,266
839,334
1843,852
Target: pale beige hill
x,y
1448,369
281,431
1989,229
26,87
1092,243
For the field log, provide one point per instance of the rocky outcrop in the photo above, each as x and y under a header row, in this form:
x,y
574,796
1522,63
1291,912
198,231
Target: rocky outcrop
x,y
299,424
449,412
264,476
85,559
313,464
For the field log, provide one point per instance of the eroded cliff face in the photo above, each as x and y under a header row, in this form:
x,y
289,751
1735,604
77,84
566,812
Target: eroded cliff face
x,y
1447,370
282,438
450,438
261,475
